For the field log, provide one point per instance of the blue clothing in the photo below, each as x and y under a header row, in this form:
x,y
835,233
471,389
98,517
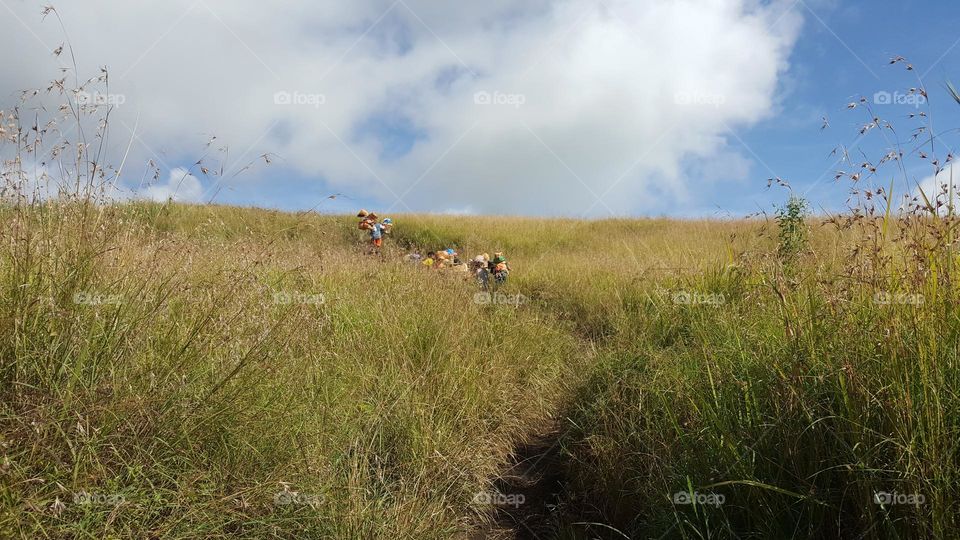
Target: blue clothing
x,y
377,231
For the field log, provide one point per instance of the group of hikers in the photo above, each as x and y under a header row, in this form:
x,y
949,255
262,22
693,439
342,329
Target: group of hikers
x,y
481,268
371,222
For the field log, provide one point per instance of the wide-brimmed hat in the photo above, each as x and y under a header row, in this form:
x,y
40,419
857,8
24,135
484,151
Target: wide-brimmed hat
x,y
363,213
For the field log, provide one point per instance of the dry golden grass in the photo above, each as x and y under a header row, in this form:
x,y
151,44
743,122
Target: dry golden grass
x,y
205,371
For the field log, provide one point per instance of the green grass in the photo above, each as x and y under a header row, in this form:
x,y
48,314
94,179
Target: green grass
x,y
381,398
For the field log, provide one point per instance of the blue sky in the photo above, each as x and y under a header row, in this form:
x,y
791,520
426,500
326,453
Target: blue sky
x,y
834,61
583,114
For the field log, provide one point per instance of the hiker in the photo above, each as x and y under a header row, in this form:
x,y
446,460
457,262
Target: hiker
x,y
499,267
368,222
460,266
428,262
480,272
376,237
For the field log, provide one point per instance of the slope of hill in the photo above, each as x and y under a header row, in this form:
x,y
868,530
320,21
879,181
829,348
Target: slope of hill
x,y
180,371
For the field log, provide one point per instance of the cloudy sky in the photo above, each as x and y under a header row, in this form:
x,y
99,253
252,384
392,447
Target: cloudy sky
x,y
536,107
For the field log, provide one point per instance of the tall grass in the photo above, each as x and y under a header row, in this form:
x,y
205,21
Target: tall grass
x,y
182,357
800,411
200,380
814,393
181,371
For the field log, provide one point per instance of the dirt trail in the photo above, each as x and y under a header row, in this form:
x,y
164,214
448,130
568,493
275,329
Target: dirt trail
x,y
531,489
529,493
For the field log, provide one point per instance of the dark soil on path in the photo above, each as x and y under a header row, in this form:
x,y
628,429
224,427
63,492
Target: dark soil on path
x,y
530,491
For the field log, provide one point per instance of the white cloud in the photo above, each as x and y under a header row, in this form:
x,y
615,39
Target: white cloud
x,y
937,190
31,181
463,211
618,99
180,185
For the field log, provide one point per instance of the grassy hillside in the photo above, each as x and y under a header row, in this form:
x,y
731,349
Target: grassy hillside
x,y
181,371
